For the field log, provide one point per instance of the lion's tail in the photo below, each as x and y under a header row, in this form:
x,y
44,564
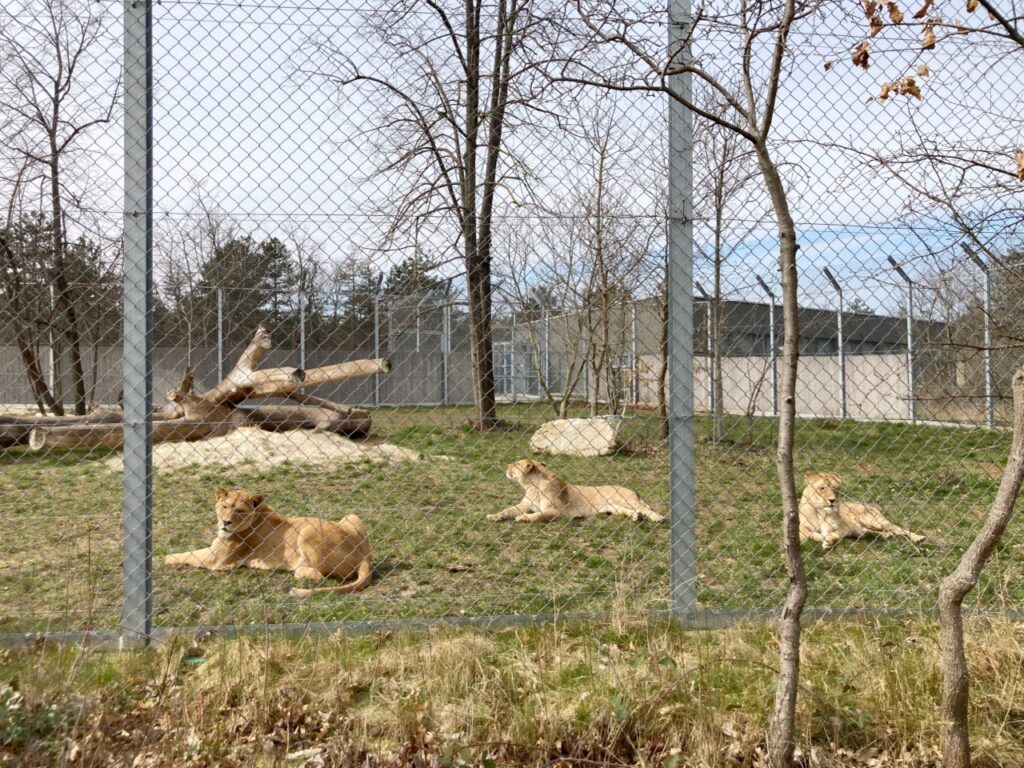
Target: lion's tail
x,y
361,582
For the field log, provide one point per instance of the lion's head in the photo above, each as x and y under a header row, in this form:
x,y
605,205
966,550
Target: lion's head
x,y
237,512
822,488
518,470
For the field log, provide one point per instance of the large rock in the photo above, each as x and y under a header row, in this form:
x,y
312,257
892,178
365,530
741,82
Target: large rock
x,y
577,437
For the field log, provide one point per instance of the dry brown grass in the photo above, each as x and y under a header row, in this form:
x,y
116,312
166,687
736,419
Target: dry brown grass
x,y
627,691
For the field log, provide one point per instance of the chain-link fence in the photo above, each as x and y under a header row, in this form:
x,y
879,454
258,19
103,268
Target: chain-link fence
x,y
388,244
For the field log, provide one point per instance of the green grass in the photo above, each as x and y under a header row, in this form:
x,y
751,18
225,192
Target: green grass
x,y
436,555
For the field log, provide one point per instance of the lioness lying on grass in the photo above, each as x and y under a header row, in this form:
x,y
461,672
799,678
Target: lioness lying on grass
x,y
826,519
548,496
251,534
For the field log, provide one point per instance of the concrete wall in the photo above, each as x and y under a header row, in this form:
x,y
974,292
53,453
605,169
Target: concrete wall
x,y
876,385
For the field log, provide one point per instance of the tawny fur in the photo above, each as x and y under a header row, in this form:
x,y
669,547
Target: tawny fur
x,y
250,534
824,518
548,496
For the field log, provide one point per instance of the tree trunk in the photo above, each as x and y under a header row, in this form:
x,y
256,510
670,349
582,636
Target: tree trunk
x,y
781,731
65,299
956,746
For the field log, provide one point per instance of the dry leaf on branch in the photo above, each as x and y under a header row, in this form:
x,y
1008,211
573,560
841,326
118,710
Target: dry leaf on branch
x,y
923,71
972,6
876,24
829,64
870,8
895,14
928,41
905,86
860,55
1019,157
924,9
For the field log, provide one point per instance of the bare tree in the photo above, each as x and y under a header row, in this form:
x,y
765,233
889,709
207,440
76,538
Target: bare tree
x,y
55,87
17,308
726,169
451,75
759,33
975,187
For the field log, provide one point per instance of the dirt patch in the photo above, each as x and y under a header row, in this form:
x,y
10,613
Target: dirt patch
x,y
254,448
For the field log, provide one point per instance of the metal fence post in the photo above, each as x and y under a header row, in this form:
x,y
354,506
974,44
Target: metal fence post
x,y
634,382
773,344
708,339
302,332
512,359
546,349
446,329
839,342
137,504
220,334
911,409
990,389
376,348
51,358
682,476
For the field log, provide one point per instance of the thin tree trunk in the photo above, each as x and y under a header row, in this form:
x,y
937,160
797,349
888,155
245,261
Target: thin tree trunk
x,y
65,299
478,269
781,731
956,746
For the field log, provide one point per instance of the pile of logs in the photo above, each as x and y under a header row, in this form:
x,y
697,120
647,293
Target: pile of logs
x,y
190,416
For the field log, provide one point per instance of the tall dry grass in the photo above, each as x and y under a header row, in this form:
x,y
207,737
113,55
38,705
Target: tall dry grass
x,y
626,691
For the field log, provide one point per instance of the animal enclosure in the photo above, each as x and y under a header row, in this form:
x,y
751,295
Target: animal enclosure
x,y
507,245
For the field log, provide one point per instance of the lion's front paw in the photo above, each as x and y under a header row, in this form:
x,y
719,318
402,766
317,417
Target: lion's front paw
x,y
523,519
496,516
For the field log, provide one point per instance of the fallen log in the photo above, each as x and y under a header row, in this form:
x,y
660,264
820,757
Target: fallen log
x,y
282,382
86,436
190,416
14,430
277,418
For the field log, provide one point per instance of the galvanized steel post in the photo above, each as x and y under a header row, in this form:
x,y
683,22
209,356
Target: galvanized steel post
x,y
839,342
990,389
911,409
137,484
682,476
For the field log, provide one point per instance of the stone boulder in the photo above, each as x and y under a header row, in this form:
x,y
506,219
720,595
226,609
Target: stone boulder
x,y
577,437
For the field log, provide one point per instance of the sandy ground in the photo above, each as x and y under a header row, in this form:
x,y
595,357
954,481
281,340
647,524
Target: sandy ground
x,y
254,448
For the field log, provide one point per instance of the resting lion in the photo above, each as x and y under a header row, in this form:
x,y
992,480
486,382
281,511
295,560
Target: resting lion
x,y
548,496
251,534
826,519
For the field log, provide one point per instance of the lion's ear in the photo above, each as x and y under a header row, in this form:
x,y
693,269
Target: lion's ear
x,y
219,493
529,465
809,476
256,500
836,479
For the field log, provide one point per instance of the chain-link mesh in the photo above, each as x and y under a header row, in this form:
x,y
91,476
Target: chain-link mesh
x,y
391,246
